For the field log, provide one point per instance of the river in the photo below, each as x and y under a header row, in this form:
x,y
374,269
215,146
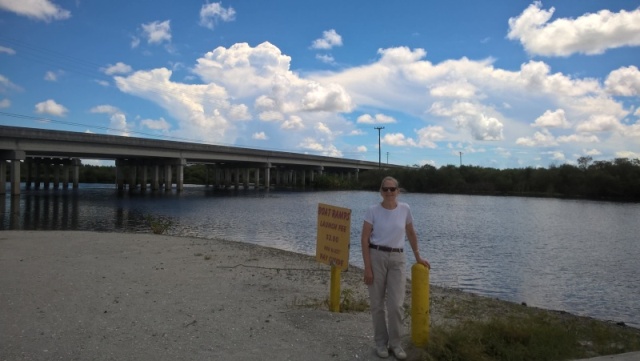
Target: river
x,y
578,256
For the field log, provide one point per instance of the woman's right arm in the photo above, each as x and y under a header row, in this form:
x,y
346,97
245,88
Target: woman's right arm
x,y
367,228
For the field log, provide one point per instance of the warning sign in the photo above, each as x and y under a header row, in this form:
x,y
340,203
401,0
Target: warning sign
x,y
334,231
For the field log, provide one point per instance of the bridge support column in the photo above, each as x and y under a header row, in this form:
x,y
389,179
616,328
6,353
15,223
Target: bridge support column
x,y
167,177
257,177
132,176
36,173
13,156
75,162
27,173
142,171
56,174
155,177
119,174
180,175
46,175
3,174
65,175
267,176
246,178
15,176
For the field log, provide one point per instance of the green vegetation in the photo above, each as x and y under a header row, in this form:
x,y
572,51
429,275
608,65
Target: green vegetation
x,y
158,225
531,337
617,180
467,327
349,302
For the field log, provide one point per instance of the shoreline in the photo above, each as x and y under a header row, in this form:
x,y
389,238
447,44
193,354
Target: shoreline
x,y
104,296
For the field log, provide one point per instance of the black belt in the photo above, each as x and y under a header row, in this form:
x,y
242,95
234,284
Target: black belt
x,y
385,248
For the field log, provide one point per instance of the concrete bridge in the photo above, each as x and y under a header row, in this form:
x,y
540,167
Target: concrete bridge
x,y
51,156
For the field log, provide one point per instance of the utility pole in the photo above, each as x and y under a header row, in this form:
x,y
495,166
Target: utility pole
x,y
460,159
379,149
387,158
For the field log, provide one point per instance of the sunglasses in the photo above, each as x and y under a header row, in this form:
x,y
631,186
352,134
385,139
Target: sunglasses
x,y
389,189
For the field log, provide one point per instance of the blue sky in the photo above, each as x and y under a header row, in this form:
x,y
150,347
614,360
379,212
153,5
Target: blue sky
x,y
509,84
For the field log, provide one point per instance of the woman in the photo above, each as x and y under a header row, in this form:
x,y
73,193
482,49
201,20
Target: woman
x,y
384,230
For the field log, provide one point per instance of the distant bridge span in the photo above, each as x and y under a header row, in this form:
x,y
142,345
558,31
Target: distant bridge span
x,y
47,153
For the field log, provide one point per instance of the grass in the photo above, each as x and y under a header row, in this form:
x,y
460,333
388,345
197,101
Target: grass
x,y
158,225
493,330
348,302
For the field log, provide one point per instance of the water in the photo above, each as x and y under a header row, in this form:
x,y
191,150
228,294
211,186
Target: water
x,y
572,255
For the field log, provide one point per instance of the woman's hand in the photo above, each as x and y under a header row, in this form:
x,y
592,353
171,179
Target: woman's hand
x,y
368,276
423,262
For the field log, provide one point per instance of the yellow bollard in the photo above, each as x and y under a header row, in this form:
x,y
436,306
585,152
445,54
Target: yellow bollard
x,y
334,295
419,305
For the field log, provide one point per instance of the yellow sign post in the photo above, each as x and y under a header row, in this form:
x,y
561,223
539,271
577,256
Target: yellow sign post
x,y
332,246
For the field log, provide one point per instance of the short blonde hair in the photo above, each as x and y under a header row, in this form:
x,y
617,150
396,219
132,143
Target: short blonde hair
x,y
389,178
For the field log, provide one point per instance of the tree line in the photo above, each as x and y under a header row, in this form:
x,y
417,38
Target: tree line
x,y
618,179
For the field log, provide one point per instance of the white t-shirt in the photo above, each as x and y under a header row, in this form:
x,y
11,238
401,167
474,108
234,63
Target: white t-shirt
x,y
389,224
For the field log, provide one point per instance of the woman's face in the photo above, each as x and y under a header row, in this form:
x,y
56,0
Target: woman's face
x,y
389,189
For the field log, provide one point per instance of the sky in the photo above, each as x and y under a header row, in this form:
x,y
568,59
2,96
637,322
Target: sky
x,y
501,84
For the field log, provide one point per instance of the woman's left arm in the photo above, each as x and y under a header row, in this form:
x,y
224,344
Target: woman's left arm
x,y
413,240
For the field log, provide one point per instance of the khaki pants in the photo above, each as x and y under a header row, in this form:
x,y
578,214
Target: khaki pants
x,y
389,280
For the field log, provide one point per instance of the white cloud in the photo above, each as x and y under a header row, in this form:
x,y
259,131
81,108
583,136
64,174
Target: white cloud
x,y
398,140
376,119
467,115
322,128
588,34
459,90
50,107
270,116
259,136
361,149
327,59
578,138
159,124
427,136
628,154
591,152
203,111
118,68
118,125
7,86
293,123
624,81
263,72
43,10
53,75
317,146
105,109
157,32
600,123
239,112
5,50
557,155
5,103
330,39
485,128
211,14
540,139
118,120
135,42
253,84
552,119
